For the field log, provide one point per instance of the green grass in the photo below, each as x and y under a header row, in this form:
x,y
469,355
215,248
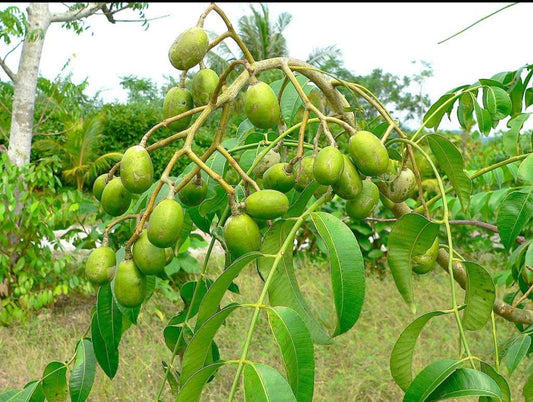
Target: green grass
x,y
356,368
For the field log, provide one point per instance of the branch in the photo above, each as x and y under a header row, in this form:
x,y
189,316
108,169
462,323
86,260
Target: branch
x,y
73,15
12,76
484,225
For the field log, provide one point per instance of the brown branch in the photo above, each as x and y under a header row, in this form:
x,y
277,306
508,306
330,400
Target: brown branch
x,y
73,15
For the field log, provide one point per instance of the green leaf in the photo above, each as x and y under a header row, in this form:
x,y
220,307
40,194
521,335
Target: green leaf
x,y
527,392
511,137
500,380
299,201
109,316
497,101
466,382
410,234
106,353
290,100
263,383
479,296
434,115
429,379
516,352
451,161
483,118
199,346
347,269
284,289
514,213
192,388
401,359
54,381
294,341
83,372
211,300
528,97
525,170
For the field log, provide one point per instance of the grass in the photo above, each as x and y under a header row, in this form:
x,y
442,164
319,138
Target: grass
x,y
356,368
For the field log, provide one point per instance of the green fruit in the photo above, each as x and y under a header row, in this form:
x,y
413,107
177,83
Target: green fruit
x,y
368,153
266,204
349,183
115,198
100,265
203,86
365,201
99,185
304,173
401,188
130,284
261,105
276,177
169,255
241,234
231,176
328,165
165,223
269,159
189,48
136,170
178,101
193,193
425,263
150,259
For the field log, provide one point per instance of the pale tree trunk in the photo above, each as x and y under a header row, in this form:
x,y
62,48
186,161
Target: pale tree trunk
x,y
20,136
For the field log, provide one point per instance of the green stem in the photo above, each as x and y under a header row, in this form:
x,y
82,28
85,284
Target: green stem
x,y
495,340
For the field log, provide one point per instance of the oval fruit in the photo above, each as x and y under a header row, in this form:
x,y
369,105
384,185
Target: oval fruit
x,y
276,177
203,86
189,48
364,203
261,105
424,263
401,188
130,284
304,173
269,159
349,183
99,185
136,169
149,259
165,223
177,101
193,193
241,234
328,165
100,265
115,198
266,204
368,153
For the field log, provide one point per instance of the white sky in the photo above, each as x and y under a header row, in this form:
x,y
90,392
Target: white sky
x,y
389,36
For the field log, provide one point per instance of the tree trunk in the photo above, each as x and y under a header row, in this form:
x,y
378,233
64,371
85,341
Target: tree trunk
x,y
20,136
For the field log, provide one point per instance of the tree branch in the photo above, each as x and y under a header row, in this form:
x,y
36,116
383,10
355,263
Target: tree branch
x,y
73,15
12,76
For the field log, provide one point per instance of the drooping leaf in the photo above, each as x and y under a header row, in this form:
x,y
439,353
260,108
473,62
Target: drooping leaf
x,y
284,289
411,232
106,353
401,359
294,341
479,296
497,101
264,383
515,211
192,388
32,392
516,352
429,379
347,269
299,201
54,381
511,136
500,380
436,112
483,119
83,372
172,378
109,316
525,170
466,382
451,161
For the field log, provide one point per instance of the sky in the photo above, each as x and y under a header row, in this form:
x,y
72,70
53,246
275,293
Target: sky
x,y
395,37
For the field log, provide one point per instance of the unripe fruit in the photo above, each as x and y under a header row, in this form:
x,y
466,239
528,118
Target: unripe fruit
x,y
136,170
193,193
305,175
349,183
261,105
100,265
169,255
368,153
98,186
401,188
364,203
241,235
232,176
328,165
177,101
203,86
130,284
165,223
270,159
150,259
115,198
276,177
189,48
266,204
425,263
